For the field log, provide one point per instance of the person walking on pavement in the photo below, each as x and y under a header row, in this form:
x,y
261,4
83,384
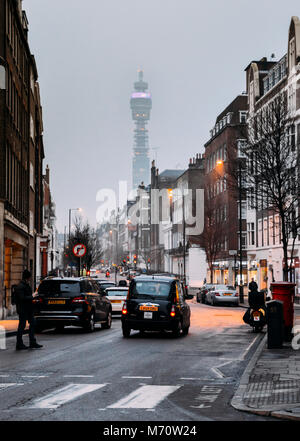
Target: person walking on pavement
x,y
253,286
24,305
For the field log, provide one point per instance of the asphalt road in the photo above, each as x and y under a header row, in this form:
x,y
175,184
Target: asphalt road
x,y
151,377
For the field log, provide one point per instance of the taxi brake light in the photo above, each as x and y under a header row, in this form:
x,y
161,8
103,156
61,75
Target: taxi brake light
x,y
173,313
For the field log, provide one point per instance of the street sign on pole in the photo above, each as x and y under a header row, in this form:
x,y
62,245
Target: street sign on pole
x,y
79,250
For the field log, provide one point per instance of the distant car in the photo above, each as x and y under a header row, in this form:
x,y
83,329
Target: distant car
x,y
218,294
116,295
201,294
156,303
60,302
103,284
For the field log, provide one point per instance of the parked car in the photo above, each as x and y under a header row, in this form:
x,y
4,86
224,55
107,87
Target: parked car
x,y
156,303
116,295
60,302
201,294
218,294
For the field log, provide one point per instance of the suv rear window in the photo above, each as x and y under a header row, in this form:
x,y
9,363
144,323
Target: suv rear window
x,y
49,287
152,290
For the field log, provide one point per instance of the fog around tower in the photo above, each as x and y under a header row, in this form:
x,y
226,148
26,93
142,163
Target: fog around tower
x,y
193,54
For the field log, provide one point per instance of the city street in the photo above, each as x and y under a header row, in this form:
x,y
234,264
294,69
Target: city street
x,y
150,377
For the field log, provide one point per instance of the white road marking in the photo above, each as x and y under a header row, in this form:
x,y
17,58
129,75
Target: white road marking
x,y
135,377
208,394
34,376
4,376
242,357
217,371
6,385
187,378
78,376
145,397
62,396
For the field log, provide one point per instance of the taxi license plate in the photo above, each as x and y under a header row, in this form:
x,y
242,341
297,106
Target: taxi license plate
x,y
227,293
148,308
56,302
116,301
256,318
148,315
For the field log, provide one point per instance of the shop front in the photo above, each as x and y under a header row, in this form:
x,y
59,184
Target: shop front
x,y
15,257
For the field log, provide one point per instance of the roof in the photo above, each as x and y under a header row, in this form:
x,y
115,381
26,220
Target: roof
x,y
155,278
171,173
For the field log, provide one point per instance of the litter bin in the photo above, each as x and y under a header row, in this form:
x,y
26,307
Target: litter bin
x,y
285,292
275,324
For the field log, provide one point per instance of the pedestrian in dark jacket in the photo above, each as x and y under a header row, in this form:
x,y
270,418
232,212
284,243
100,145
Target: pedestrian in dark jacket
x,y
24,305
253,286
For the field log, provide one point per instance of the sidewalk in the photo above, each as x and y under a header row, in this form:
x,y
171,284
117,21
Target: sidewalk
x,y
10,324
270,384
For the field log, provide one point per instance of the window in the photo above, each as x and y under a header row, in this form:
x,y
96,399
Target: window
x,y
251,233
242,143
31,176
243,116
244,240
225,152
244,209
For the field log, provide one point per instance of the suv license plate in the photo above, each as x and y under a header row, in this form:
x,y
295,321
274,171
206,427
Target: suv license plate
x,y
148,315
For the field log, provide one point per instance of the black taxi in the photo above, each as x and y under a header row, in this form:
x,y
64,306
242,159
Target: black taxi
x,y
156,303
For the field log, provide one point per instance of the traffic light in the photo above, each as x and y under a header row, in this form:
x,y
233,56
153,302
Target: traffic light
x,y
134,258
88,273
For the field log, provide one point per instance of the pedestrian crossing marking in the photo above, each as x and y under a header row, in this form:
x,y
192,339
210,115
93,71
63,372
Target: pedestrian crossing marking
x,y
145,397
63,395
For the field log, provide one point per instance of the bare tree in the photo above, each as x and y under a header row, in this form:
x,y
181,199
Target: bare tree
x,y
272,170
212,236
85,234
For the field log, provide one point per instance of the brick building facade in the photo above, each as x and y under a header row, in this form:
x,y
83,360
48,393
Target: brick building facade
x,y
21,152
222,200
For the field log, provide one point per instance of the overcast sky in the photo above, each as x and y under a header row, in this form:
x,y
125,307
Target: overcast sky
x,y
193,54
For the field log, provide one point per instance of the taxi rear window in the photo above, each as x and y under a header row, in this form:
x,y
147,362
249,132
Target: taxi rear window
x,y
150,289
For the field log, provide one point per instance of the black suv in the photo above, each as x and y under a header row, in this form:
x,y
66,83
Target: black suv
x,y
156,303
60,302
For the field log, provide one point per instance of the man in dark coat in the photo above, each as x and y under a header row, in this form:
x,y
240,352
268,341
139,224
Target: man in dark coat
x,y
23,294
253,286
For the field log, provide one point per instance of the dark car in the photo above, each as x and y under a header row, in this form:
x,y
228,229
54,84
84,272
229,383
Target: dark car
x,y
156,303
201,295
61,302
103,284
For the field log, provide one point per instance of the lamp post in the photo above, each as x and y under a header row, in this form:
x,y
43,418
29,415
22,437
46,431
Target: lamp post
x,y
241,288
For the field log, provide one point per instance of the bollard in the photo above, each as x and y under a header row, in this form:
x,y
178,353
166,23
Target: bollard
x,y
275,323
2,338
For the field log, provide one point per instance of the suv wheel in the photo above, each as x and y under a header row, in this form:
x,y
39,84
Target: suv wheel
x,y
126,331
185,331
90,326
177,330
107,324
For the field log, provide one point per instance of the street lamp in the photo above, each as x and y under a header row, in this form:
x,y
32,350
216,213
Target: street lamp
x,y
241,288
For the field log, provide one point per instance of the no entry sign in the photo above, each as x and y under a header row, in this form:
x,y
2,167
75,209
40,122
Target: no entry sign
x,y
79,250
